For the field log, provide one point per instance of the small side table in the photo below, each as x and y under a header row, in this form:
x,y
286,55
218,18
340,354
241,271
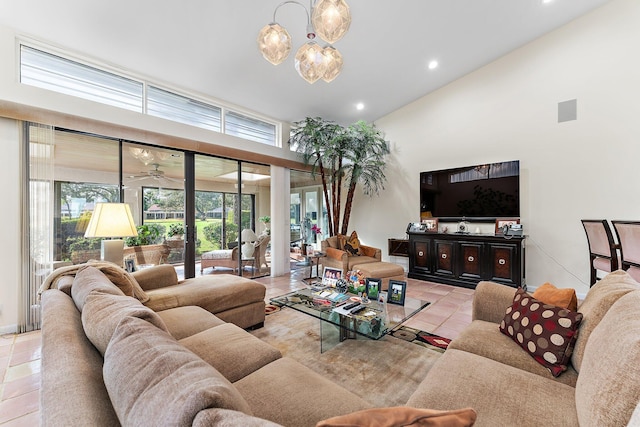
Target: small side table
x,y
310,258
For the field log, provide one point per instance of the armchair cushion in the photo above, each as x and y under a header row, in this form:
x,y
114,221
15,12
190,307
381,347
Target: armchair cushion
x,y
155,277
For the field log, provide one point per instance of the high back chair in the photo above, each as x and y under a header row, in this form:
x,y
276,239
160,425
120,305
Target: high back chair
x,y
628,233
603,250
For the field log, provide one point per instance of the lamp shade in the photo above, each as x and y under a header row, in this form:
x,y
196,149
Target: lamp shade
x,y
111,220
248,235
333,61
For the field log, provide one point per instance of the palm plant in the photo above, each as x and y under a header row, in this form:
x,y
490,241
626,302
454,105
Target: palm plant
x,y
352,155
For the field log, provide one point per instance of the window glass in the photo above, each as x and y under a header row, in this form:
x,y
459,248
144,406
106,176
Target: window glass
x,y
58,74
168,105
250,128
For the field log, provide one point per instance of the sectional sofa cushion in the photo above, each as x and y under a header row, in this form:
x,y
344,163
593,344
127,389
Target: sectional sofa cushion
x,y
231,350
89,279
486,340
189,320
103,312
496,392
547,332
403,416
293,391
157,277
226,418
607,392
143,365
596,304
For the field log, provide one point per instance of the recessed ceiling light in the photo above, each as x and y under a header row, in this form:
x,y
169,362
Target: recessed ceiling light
x,y
360,106
433,64
547,1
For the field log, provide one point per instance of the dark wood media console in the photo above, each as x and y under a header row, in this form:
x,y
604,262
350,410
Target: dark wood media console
x,y
466,259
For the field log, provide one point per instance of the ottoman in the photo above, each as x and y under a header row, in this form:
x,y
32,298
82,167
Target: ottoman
x,y
382,270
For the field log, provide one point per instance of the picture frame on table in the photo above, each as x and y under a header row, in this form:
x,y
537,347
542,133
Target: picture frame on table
x,y
130,265
397,291
501,222
372,287
431,225
330,276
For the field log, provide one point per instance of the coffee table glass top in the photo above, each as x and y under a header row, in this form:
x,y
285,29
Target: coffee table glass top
x,y
375,321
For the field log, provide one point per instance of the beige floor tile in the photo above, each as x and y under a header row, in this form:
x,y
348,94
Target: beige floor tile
x,y
20,371
22,405
21,386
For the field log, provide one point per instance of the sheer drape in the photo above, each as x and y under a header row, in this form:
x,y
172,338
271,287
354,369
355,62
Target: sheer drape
x,y
37,225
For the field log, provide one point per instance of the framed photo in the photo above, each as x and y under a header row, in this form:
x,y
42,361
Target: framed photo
x,y
330,276
397,289
130,265
382,297
501,222
372,287
431,224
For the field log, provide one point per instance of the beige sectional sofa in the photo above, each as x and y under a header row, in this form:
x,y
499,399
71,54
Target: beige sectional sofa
x,y
108,360
486,370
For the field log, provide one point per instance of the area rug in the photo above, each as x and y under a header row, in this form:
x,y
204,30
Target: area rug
x,y
425,339
383,372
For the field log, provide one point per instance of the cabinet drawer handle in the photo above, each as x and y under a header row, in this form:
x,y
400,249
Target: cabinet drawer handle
x,y
420,253
471,259
501,261
444,256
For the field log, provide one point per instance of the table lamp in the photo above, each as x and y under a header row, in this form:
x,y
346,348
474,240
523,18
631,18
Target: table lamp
x,y
111,220
248,237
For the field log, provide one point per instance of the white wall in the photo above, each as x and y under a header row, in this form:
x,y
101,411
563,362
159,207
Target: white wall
x,y
507,111
10,260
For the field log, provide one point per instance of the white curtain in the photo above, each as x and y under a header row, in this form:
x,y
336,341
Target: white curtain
x,y
37,225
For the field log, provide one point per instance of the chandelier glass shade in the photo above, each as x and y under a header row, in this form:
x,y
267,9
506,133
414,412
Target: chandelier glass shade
x,y
274,43
310,62
333,62
330,19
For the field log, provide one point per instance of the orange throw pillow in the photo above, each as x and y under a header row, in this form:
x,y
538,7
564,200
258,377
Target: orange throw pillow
x,y
403,416
549,294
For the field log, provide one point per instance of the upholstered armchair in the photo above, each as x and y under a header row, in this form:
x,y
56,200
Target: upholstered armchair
x,y
339,258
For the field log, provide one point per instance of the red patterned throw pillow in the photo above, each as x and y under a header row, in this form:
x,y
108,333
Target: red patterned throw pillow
x,y
546,332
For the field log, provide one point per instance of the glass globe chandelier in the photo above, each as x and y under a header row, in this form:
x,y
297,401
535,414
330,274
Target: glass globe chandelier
x,y
330,19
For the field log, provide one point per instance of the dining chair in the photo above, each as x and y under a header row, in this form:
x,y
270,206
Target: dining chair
x,y
628,233
603,250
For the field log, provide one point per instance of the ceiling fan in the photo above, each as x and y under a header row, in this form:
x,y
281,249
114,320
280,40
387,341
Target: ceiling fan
x,y
154,173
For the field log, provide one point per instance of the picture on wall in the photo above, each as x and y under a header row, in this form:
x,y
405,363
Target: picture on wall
x,y
397,290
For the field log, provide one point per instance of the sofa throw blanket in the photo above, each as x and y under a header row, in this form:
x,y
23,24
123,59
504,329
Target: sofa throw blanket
x,y
119,276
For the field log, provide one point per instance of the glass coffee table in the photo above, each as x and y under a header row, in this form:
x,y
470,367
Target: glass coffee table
x,y
337,324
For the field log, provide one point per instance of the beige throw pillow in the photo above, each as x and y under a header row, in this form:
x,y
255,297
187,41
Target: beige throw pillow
x,y
90,279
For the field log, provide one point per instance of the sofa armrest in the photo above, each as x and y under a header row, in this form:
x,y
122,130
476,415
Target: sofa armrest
x,y
336,254
158,276
371,252
490,301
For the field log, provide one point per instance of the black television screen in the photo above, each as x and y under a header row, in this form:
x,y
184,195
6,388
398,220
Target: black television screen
x,y
475,193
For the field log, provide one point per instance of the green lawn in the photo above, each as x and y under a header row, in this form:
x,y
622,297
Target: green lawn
x,y
205,245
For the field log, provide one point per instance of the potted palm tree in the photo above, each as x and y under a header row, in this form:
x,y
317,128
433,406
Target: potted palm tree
x,y
344,157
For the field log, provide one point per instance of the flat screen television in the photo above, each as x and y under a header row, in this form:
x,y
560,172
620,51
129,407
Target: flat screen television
x,y
474,193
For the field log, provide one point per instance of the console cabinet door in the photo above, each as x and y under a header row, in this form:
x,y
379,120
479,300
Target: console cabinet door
x,y
504,264
422,256
471,261
445,257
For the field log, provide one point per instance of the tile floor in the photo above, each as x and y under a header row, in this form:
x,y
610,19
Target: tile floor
x,y
448,313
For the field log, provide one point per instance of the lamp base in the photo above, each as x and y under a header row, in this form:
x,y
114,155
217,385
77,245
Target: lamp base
x,y
247,250
112,251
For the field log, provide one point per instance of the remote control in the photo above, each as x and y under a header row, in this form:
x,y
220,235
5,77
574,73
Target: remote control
x,y
358,309
348,306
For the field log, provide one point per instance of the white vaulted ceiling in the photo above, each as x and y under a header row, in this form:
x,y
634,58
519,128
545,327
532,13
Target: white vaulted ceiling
x,y
209,46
